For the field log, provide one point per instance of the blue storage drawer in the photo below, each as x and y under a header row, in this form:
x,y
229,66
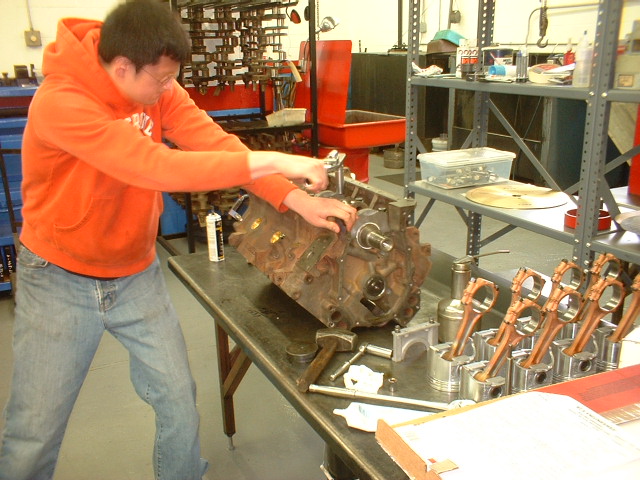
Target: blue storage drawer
x,y
13,161
12,125
173,219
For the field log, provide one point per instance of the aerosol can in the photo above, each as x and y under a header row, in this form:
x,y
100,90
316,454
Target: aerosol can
x,y
451,310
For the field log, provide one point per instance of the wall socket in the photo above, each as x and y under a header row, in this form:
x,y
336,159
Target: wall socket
x,y
32,38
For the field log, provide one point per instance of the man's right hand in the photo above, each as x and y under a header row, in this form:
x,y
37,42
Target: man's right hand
x,y
298,168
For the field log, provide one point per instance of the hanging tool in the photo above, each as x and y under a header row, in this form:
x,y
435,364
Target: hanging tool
x,y
511,335
544,23
473,312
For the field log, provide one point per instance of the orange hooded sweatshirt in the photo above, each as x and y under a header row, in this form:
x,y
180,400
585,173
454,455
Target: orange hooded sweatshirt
x,y
94,166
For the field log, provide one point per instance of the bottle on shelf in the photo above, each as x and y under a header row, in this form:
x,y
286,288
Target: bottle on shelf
x,y
522,65
570,54
584,55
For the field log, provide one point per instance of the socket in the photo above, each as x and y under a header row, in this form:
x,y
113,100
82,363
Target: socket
x,y
32,38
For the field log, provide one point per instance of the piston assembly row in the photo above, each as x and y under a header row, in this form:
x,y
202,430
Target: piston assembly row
x,y
537,344
372,275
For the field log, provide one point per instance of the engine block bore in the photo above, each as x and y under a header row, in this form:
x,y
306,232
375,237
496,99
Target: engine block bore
x,y
366,277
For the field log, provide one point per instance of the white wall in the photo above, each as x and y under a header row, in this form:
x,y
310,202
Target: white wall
x,y
370,24
44,15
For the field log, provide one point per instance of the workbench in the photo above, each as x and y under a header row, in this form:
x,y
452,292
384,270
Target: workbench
x,y
262,321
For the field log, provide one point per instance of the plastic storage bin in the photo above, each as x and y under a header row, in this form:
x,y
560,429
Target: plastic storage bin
x,y
286,117
465,168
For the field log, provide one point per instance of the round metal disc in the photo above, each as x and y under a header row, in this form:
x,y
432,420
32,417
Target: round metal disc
x,y
301,352
517,196
630,221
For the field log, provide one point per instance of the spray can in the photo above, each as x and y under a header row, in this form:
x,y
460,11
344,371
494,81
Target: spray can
x,y
215,241
522,66
451,310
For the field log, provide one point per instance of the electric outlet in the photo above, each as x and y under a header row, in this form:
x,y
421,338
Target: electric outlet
x,y
32,38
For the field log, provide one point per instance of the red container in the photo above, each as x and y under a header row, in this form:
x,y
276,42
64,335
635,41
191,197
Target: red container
x,y
604,220
363,129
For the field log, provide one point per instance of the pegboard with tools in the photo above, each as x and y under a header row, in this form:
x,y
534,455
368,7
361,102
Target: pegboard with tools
x,y
237,42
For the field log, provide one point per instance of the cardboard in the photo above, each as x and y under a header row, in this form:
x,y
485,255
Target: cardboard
x,y
601,393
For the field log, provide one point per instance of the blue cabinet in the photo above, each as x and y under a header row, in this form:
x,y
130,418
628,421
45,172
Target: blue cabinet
x,y
11,130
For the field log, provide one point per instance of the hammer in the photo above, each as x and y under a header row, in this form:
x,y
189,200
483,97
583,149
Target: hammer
x,y
331,340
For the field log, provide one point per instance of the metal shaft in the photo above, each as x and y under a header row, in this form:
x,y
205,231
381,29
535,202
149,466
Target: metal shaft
x,y
345,366
364,348
349,393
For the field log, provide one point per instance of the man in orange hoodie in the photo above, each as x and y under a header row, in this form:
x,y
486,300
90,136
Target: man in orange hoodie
x,y
94,167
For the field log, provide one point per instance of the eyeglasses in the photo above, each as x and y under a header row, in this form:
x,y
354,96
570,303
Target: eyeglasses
x,y
164,81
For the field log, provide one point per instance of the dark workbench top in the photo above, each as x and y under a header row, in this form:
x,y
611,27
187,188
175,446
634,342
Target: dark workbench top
x,y
263,321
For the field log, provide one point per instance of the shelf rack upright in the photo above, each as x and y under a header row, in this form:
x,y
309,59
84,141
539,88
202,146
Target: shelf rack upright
x,y
592,188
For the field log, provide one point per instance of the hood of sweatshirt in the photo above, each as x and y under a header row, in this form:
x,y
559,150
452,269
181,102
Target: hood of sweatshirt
x,y
74,53
94,163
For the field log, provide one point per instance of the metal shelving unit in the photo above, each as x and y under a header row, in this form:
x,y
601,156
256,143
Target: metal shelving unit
x,y
592,187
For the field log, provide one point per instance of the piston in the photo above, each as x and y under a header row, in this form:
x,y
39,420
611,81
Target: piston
x,y
569,367
608,351
479,391
442,374
484,350
524,379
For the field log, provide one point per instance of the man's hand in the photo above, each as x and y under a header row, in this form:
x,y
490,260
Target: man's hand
x,y
298,168
318,210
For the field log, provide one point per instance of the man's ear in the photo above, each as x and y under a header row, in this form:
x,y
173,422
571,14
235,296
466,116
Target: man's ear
x,y
120,66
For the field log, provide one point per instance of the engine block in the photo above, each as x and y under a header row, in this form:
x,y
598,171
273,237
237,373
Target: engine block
x,y
365,277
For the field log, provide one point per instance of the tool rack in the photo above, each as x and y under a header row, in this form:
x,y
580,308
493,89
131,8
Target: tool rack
x,y
592,186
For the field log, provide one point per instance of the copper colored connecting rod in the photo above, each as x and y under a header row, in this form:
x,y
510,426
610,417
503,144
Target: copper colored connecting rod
x,y
554,320
522,275
473,312
512,336
593,312
561,270
630,314
612,271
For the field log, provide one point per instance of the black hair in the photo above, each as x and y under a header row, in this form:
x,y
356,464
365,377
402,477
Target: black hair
x,y
143,31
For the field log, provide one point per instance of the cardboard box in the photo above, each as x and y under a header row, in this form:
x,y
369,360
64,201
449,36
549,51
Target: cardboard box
x,y
532,435
630,349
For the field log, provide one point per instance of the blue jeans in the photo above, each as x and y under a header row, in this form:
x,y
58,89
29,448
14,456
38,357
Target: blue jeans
x,y
59,320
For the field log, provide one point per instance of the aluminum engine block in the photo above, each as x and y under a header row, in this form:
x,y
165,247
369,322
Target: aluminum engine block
x,y
365,277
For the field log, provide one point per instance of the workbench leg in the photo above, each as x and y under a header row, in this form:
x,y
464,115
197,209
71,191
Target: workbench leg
x,y
335,467
232,366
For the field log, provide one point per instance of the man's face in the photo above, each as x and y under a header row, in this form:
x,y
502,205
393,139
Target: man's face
x,y
147,84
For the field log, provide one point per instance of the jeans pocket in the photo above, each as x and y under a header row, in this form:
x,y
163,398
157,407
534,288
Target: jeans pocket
x,y
28,259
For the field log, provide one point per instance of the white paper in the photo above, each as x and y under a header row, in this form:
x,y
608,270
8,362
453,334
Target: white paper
x,y
362,379
532,436
365,417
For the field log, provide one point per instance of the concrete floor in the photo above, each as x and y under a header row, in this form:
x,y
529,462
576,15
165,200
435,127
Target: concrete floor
x,y
111,430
